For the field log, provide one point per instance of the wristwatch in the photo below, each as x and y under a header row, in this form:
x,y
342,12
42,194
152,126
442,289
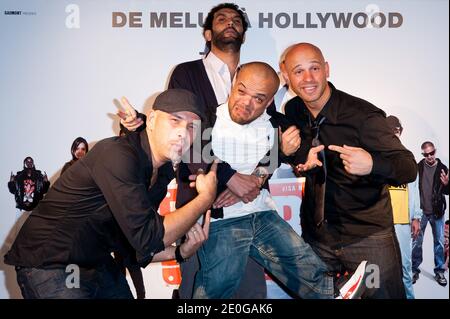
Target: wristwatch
x,y
178,256
261,172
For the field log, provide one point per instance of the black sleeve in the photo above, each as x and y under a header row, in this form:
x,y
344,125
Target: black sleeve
x,y
12,187
118,177
279,119
302,153
392,162
445,188
224,173
180,80
46,185
280,122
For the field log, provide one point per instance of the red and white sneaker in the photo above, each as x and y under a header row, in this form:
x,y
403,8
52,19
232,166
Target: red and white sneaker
x,y
355,285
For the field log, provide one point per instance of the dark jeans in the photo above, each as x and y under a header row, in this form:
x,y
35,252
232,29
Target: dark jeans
x,y
382,252
103,282
437,227
135,273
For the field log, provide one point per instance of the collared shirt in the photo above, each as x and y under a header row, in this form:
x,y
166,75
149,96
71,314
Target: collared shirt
x,y
355,206
101,204
219,76
243,147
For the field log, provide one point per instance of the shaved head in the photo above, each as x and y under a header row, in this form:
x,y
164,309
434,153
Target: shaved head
x,y
253,89
307,71
284,53
304,47
261,71
282,65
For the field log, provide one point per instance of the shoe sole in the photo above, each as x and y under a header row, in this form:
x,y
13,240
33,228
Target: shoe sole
x,y
354,287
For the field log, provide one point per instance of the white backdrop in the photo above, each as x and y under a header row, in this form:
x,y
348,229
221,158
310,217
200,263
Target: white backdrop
x,y
62,65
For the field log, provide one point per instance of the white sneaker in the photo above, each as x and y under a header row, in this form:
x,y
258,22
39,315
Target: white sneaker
x,y
355,285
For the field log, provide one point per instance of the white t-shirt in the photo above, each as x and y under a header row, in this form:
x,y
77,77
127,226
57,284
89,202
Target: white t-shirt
x,y
243,147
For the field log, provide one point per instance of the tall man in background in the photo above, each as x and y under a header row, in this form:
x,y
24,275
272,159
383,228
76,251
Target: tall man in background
x,y
210,78
433,185
406,216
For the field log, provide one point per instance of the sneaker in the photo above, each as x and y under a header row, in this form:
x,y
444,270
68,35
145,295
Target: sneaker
x,y
415,277
355,285
440,279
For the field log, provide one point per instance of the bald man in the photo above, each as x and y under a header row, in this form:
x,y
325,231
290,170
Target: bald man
x,y
242,136
346,212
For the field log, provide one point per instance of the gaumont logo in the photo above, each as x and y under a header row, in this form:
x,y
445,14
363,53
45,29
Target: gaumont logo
x,y
13,13
19,13
371,17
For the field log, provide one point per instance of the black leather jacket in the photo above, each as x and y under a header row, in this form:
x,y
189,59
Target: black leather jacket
x,y
439,190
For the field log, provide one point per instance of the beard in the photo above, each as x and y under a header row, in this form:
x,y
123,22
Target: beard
x,y
228,43
175,159
239,118
176,153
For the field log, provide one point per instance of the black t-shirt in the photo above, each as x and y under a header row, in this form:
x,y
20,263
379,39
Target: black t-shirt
x,y
101,204
28,188
427,188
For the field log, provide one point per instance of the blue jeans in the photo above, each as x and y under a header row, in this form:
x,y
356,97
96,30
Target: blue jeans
x,y
252,286
104,282
270,241
382,252
403,232
437,227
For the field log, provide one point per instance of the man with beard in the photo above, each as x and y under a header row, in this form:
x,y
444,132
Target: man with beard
x,y
28,186
210,79
109,203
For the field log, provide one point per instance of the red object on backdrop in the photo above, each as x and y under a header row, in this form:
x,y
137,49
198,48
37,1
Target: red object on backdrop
x,y
287,187
278,187
170,269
